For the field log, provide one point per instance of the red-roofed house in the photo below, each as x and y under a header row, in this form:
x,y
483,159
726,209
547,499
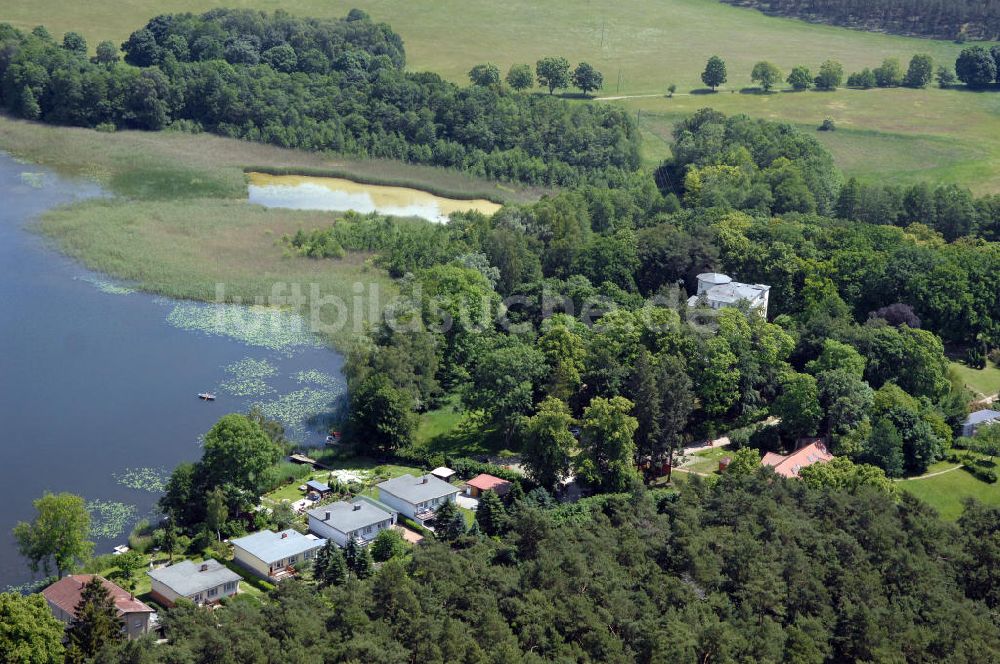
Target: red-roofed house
x,y
480,484
790,465
63,597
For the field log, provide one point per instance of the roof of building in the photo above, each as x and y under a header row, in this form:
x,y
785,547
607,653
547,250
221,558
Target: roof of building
x,y
348,517
442,472
316,485
714,278
270,546
790,465
981,416
485,482
735,291
65,593
187,578
416,490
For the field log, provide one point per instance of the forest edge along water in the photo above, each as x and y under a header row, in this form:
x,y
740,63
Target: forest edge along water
x,y
98,381
307,192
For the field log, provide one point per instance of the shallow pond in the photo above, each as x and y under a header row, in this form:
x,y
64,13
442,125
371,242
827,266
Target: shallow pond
x,y
98,382
302,192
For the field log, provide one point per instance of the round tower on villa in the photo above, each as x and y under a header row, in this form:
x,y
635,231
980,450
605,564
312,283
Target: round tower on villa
x,y
707,280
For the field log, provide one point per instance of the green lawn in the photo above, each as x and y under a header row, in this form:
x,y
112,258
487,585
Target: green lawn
x,y
982,381
708,460
946,492
291,493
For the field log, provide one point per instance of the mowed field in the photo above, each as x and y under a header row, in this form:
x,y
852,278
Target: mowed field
x,y
642,46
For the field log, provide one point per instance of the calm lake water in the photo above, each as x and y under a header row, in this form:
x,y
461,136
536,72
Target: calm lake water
x,y
98,383
303,192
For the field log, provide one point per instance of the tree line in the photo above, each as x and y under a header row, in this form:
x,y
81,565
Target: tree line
x,y
553,73
943,19
976,66
317,85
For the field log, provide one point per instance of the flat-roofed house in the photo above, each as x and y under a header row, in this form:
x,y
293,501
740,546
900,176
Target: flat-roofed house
x,y
361,520
719,291
203,583
63,597
416,497
273,556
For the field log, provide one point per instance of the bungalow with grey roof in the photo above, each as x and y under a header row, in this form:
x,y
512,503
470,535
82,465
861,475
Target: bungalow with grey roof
x,y
203,583
977,419
273,556
361,520
416,497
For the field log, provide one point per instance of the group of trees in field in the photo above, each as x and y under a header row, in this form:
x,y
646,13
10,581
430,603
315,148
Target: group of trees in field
x,y
317,85
748,568
552,72
979,67
943,19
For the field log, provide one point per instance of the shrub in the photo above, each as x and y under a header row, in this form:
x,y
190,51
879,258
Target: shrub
x,y
106,127
828,125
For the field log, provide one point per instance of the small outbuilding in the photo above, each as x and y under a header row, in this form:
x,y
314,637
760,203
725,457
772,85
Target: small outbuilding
x,y
443,473
482,483
321,488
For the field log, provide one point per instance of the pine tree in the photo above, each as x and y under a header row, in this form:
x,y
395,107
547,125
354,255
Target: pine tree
x,y
96,622
358,559
330,568
449,524
491,515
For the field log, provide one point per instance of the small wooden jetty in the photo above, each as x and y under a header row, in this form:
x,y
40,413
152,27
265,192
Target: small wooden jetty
x,y
306,460
206,396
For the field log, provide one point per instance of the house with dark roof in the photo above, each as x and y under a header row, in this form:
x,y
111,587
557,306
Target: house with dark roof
x,y
360,520
978,419
482,483
416,497
203,583
63,597
790,465
273,556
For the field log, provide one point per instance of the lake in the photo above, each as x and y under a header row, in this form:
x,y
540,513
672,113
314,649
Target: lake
x,y
98,382
303,192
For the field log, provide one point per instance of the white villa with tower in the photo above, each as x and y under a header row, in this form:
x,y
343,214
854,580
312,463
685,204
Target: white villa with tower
x,y
718,291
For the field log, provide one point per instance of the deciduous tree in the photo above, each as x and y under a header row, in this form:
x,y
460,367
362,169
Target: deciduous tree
x,y
715,72
57,537
766,74
553,73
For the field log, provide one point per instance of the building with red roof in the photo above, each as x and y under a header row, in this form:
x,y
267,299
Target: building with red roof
x,y
480,484
790,465
63,597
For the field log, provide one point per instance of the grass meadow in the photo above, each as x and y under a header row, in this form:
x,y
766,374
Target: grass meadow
x,y
896,136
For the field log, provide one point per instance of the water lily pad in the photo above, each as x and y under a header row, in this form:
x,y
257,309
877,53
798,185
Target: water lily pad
x,y
110,519
255,326
144,479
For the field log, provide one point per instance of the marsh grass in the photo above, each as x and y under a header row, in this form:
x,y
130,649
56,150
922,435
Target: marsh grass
x,y
184,248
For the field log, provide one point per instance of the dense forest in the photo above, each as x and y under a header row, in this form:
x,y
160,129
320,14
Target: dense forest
x,y
312,84
752,568
942,19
